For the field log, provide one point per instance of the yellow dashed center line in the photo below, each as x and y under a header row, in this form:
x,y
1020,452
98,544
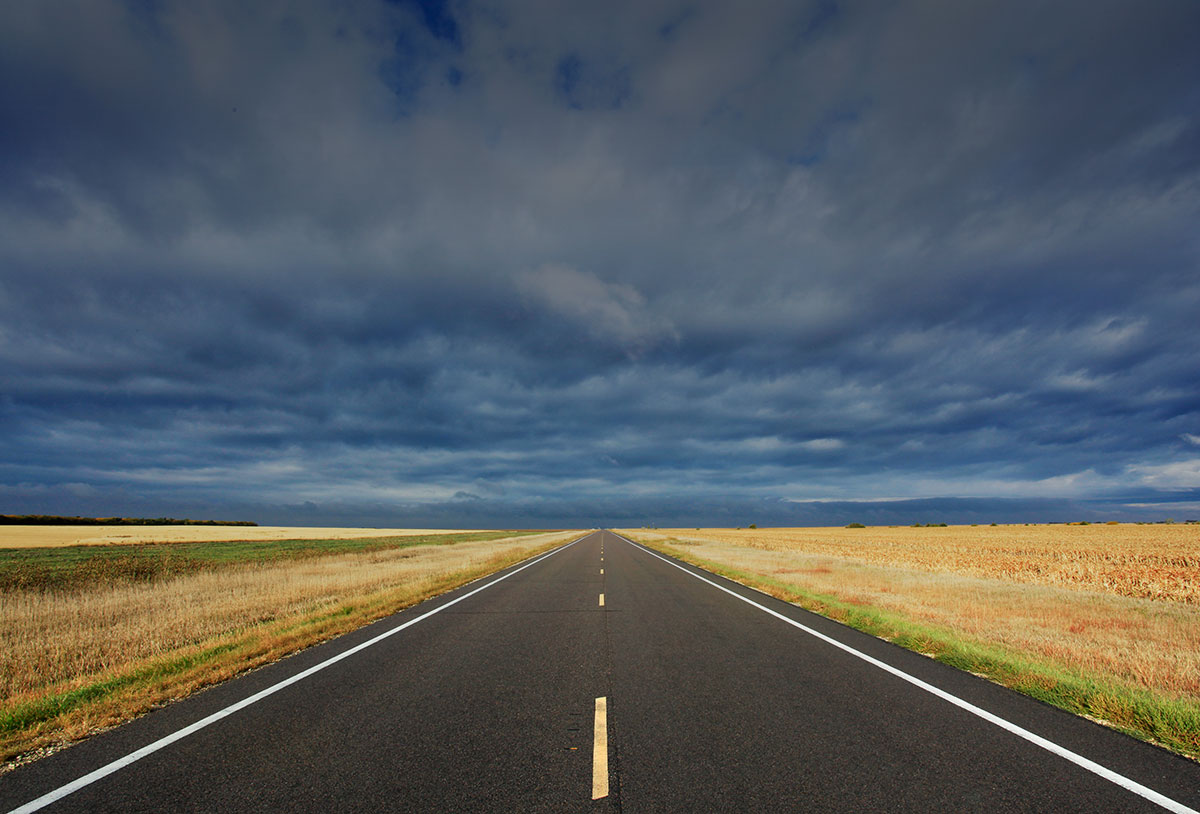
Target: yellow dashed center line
x,y
600,751
602,600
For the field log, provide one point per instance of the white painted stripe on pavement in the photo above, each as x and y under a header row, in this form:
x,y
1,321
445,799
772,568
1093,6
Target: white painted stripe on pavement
x,y
1050,746
600,750
120,763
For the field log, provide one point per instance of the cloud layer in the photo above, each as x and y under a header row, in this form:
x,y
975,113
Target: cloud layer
x,y
477,263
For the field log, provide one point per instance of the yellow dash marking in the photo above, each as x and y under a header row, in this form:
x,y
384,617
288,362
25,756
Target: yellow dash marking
x,y
600,751
601,570
602,600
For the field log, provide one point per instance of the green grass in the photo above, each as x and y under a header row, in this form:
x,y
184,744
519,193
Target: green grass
x,y
1167,721
45,709
80,566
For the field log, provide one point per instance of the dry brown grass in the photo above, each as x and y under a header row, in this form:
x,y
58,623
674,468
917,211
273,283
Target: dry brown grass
x,y
50,536
55,643
1148,562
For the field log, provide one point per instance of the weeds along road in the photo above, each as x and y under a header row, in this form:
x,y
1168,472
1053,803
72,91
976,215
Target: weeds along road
x,y
604,677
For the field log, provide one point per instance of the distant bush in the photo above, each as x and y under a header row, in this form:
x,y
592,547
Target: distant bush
x,y
1113,523
753,526
855,526
58,520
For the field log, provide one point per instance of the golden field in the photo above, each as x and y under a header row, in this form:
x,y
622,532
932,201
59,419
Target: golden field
x,y
144,642
1146,561
49,536
1118,605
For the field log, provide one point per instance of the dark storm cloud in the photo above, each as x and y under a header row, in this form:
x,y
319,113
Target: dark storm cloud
x,y
480,263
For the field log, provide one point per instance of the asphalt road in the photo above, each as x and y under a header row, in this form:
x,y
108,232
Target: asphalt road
x,y
709,703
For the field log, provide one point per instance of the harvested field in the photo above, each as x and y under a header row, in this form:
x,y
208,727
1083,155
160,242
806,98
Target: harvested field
x,y
79,567
1144,561
44,536
1103,620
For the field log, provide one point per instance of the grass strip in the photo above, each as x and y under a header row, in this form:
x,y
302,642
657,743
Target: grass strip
x,y
1173,723
45,709
67,713
80,566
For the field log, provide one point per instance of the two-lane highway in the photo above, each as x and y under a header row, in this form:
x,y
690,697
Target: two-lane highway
x,y
604,677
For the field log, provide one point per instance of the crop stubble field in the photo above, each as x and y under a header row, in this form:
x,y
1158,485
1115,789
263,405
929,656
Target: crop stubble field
x,y
1102,620
96,634
40,536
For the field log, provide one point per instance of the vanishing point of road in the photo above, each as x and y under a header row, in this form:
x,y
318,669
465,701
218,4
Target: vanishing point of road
x,y
604,677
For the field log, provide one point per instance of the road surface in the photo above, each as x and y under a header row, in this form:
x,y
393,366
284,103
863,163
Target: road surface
x,y
603,677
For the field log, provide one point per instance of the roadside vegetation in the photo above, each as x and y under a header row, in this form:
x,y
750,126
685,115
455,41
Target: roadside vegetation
x,y
95,635
1100,620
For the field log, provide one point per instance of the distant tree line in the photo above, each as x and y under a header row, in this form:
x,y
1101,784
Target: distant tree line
x,y
56,520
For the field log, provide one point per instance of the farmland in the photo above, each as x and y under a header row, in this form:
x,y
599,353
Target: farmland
x,y
1145,561
43,536
76,566
1103,620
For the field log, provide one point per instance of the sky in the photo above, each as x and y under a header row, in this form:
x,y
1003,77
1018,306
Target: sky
x,y
471,264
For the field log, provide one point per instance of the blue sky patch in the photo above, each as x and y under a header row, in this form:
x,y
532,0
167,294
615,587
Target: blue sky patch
x,y
436,17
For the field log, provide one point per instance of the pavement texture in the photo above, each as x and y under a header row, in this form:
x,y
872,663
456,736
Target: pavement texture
x,y
712,705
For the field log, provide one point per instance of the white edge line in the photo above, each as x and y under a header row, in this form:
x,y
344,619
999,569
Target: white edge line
x,y
132,757
1050,746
